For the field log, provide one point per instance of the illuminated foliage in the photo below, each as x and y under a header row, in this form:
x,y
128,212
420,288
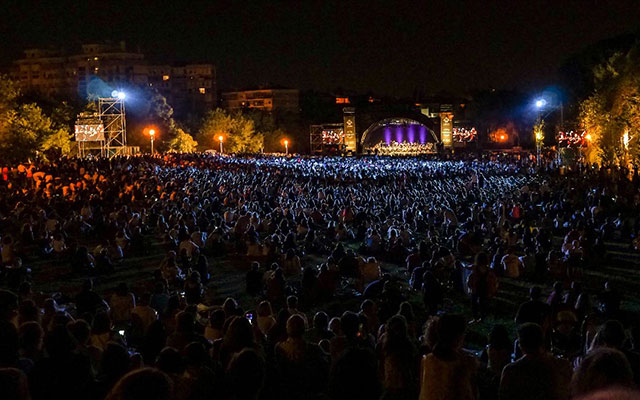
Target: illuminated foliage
x,y
25,130
182,142
614,109
538,131
238,132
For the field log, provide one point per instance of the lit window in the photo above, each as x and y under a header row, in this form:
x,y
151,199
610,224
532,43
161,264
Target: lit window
x,y
165,77
202,90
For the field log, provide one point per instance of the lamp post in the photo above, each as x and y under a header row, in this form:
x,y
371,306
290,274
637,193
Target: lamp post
x,y
152,134
220,139
286,147
538,132
539,138
586,143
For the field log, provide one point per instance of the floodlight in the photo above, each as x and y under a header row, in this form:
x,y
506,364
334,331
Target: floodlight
x,y
541,103
118,94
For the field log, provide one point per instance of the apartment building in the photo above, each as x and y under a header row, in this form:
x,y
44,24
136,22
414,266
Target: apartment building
x,y
262,99
98,67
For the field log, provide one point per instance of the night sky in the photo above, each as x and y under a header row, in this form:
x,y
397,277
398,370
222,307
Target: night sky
x,y
387,47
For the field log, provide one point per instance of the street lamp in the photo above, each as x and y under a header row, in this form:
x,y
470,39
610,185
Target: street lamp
x,y
152,134
220,139
286,147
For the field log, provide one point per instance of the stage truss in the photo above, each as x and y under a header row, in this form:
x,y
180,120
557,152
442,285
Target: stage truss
x,y
112,114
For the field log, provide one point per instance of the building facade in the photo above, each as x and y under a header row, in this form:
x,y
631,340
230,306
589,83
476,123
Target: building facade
x,y
262,99
99,68
190,87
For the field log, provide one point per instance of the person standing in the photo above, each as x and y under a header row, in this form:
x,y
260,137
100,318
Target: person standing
x,y
482,284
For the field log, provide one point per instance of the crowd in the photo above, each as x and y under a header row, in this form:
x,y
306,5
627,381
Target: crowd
x,y
354,268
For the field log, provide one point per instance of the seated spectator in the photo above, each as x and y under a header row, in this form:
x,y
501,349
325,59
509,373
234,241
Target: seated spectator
x,y
292,307
88,301
370,270
301,365
534,310
198,379
265,318
511,264
496,355
121,303
319,331
612,335
143,313
214,331
245,375
185,332
101,331
603,368
291,265
193,288
14,384
398,360
254,280
537,375
447,372
142,384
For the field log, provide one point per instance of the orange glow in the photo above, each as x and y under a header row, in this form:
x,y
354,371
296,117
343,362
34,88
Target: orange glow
x,y
220,138
152,132
286,142
342,100
502,137
588,136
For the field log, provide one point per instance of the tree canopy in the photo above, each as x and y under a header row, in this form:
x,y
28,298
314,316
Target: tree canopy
x,y
182,142
238,132
611,115
26,130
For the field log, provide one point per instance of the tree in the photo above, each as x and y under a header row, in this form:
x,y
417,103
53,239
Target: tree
x,y
29,130
58,143
611,115
25,129
182,142
238,132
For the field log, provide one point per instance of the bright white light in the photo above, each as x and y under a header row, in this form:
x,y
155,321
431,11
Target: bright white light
x,y
541,103
120,95
625,139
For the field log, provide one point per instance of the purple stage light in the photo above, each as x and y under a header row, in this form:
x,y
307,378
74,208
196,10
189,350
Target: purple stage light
x,y
387,135
399,136
411,133
423,134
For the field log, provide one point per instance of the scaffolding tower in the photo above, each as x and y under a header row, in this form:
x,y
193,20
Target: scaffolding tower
x,y
315,138
112,114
